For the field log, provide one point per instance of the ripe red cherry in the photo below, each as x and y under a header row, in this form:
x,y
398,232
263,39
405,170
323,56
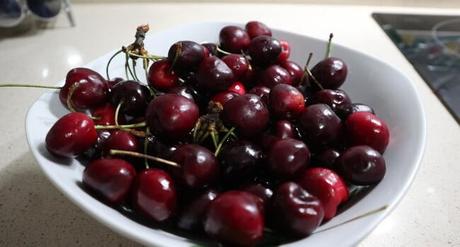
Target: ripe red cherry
x,y
295,71
192,216
172,116
325,184
198,166
362,165
287,157
330,72
337,99
273,76
238,64
264,50
186,55
296,211
238,88
261,191
247,113
186,91
262,92
210,49
364,128
120,140
255,29
110,179
240,161
284,129
326,158
161,76
286,102
134,96
104,115
72,134
91,89
214,75
234,39
154,194
235,218
223,97
285,51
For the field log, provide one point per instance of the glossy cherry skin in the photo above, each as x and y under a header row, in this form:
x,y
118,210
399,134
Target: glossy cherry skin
x,y
214,75
161,76
109,179
359,107
104,115
154,195
134,96
234,39
192,217
327,186
364,128
362,165
239,65
121,140
261,191
296,211
240,160
286,102
320,125
285,51
273,76
330,72
92,89
287,157
186,55
235,218
198,166
326,158
337,100
284,129
211,49
72,134
262,92
256,28
223,97
188,92
264,50
160,148
295,71
172,116
247,113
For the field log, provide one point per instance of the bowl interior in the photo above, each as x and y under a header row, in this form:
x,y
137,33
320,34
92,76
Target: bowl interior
x,y
370,81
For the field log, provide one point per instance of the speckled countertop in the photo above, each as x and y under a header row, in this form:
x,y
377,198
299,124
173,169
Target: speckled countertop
x,y
34,213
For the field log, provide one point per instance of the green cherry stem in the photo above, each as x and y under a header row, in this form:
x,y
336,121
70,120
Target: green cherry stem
x,y
221,143
108,63
144,156
70,95
126,126
329,45
29,86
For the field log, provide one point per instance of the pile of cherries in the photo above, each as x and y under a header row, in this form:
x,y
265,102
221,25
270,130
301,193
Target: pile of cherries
x,y
229,140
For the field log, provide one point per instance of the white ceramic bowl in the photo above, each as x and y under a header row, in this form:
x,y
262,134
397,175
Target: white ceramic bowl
x,y
370,81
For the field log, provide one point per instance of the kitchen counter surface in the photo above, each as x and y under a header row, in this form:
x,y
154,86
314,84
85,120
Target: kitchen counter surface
x,y
34,213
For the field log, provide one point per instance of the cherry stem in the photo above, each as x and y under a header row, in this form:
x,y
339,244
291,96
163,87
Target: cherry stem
x,y
310,56
117,112
144,156
146,148
223,51
126,126
329,45
108,63
29,86
313,78
70,95
355,218
221,143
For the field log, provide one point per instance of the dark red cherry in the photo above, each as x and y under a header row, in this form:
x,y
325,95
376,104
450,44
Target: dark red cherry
x,y
362,165
193,215
326,158
364,128
325,184
247,113
240,160
359,107
121,140
264,50
90,89
211,49
186,55
262,92
160,148
161,76
188,92
235,218
238,64
255,29
261,191
284,129
133,97
295,71
321,127
286,102
337,99
273,76
154,195
72,134
171,116
114,81
238,88
104,115
214,75
295,211
109,179
223,97
234,39
287,157
285,51
330,72
198,166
